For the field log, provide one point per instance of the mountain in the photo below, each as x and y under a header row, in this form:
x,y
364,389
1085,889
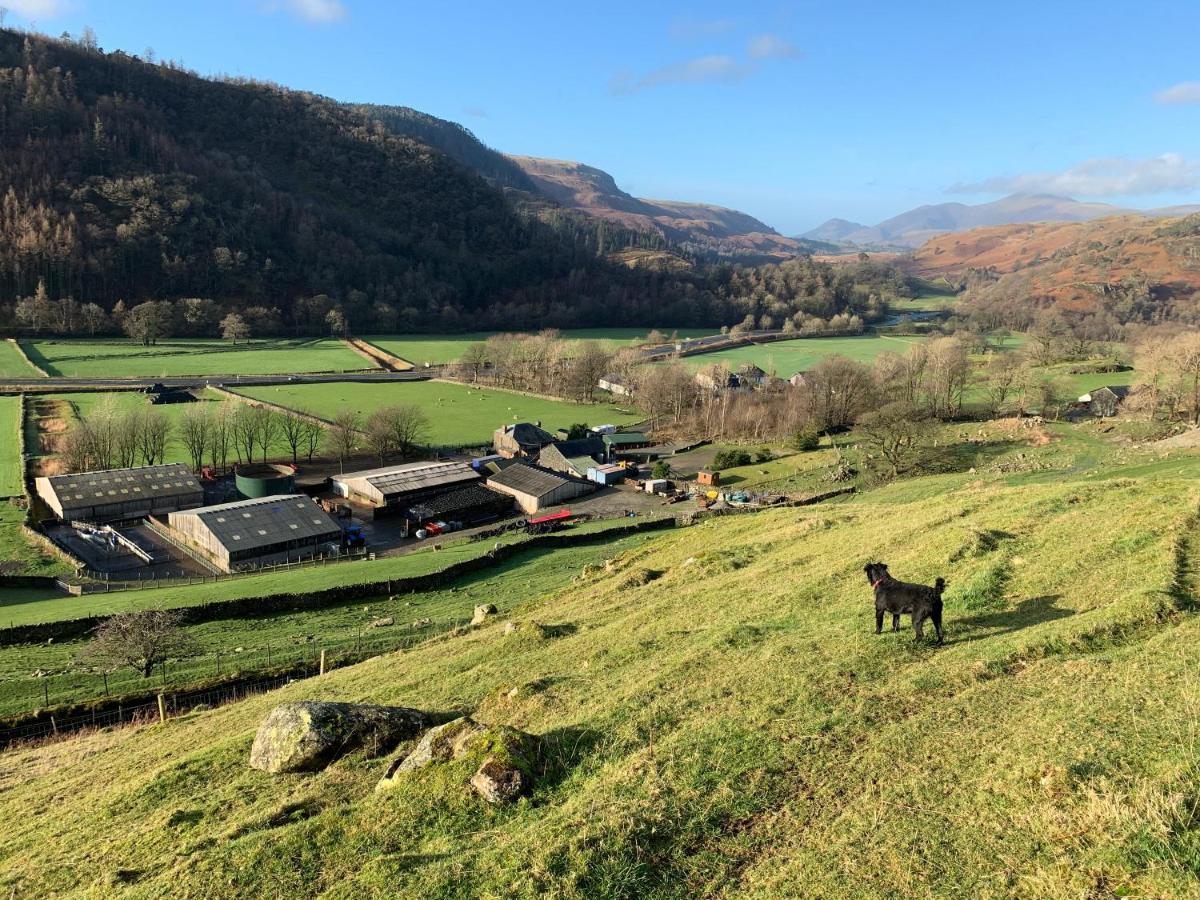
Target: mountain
x,y
1129,267
698,227
453,139
913,228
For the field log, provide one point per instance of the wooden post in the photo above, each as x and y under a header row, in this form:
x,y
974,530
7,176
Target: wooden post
x,y
53,725
322,672
105,684
162,709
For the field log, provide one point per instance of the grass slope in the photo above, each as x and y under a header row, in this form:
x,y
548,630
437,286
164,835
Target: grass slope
x,y
13,364
127,359
786,358
459,415
731,726
420,349
10,447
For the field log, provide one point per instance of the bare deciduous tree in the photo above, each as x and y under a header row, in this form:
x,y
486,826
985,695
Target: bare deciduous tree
x,y
195,432
343,434
141,640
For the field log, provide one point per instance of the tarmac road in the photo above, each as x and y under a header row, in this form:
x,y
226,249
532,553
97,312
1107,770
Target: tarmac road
x,y
59,385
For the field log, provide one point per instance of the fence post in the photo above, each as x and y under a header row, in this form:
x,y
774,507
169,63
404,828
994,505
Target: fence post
x,y
322,672
53,725
162,709
106,684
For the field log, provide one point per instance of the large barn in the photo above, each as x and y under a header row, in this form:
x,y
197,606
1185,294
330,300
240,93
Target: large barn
x,y
397,487
118,495
535,488
255,532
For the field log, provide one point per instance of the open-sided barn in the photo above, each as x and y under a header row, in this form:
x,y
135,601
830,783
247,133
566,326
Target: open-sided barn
x,y
468,505
116,495
397,487
264,530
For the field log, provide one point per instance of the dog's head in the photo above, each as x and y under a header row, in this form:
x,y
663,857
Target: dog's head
x,y
876,572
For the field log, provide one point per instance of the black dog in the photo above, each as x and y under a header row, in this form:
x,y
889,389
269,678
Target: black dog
x,y
896,597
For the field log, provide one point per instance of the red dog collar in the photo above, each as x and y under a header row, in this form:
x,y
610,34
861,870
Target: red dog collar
x,y
875,584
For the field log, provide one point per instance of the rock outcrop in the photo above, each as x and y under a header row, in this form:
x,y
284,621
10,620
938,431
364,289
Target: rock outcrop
x,y
502,758
306,736
482,612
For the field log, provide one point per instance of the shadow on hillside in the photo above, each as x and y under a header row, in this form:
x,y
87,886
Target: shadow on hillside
x,y
962,456
562,749
1033,611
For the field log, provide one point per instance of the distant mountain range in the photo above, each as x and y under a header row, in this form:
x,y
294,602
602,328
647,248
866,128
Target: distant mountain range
x,y
913,228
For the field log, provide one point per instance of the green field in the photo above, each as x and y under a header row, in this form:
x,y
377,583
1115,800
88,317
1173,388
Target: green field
x,y
19,556
459,415
420,349
786,358
719,719
127,359
11,480
244,643
13,364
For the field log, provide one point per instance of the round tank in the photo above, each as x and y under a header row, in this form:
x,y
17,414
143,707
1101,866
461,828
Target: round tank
x,y
268,480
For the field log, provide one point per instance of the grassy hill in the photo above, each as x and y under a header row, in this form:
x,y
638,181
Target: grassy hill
x,y
719,719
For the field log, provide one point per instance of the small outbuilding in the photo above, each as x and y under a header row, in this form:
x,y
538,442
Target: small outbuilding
x,y
618,442
251,533
615,384
606,475
535,488
521,439
1104,401
572,457
117,495
708,477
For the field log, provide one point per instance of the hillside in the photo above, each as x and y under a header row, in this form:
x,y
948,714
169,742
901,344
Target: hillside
x,y
698,227
718,719
1135,267
916,226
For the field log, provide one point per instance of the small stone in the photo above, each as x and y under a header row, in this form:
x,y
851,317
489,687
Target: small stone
x,y
497,782
482,612
511,628
385,622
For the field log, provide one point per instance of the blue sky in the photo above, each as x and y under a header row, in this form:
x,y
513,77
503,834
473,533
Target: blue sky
x,y
791,111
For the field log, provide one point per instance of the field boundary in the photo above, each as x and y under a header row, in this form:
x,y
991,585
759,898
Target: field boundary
x,y
252,607
379,356
25,356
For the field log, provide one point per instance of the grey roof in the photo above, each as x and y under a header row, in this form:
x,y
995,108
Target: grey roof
x,y
579,447
527,434
626,437
411,477
247,524
119,485
465,499
529,480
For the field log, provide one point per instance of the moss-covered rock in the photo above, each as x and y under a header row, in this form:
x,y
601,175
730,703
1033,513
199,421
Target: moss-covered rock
x,y
308,735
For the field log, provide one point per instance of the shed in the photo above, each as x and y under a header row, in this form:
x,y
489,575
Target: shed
x,y
797,380
535,488
396,487
115,495
572,457
255,532
606,474
1105,401
520,439
615,385
749,374
708,477
620,441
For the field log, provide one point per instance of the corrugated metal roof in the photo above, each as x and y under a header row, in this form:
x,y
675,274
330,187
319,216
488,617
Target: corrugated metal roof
x,y
626,437
118,485
410,477
248,524
528,480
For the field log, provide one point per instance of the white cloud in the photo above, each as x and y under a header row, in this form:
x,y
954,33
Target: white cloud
x,y
1106,177
1178,94
772,46
319,11
36,9
702,69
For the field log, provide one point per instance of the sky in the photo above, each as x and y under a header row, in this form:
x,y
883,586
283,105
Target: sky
x,y
794,112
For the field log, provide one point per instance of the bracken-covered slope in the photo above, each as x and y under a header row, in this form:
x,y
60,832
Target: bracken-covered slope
x,y
719,720
699,227
1080,265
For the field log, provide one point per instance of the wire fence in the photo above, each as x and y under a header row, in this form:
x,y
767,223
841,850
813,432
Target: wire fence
x,y
44,705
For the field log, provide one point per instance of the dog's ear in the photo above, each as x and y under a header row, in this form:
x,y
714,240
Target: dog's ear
x,y
867,568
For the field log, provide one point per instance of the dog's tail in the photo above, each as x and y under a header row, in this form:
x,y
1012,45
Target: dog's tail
x,y
939,586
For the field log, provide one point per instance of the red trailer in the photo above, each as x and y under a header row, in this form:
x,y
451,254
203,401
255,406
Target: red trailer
x,y
549,522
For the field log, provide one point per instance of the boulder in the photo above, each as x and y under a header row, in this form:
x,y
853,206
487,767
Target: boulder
x,y
308,735
503,757
384,622
482,612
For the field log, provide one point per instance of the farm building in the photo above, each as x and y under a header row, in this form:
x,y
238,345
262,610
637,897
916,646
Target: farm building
x,y
606,474
572,457
255,532
1104,401
521,439
615,384
797,380
750,375
621,441
708,477
536,488
396,487
468,505
117,495
716,379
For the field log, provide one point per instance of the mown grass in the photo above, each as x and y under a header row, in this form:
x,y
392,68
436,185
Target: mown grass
x,y
113,358
11,463
13,364
432,349
459,415
786,358
729,727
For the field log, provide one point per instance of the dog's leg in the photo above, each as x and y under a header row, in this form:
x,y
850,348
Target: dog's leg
x,y
895,621
919,624
878,620
937,620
